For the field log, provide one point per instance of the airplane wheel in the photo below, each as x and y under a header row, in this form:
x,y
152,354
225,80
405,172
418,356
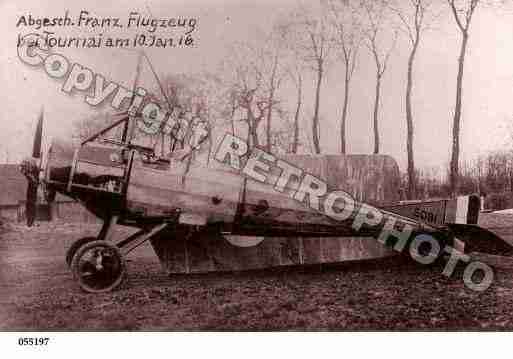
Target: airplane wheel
x,y
425,251
70,253
98,267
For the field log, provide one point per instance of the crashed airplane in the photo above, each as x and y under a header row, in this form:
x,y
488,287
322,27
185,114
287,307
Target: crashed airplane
x,y
207,218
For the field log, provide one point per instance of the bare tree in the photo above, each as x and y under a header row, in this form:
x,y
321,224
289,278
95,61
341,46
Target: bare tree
x,y
376,14
254,72
273,71
347,22
298,81
273,84
462,13
283,137
294,65
413,22
248,90
315,46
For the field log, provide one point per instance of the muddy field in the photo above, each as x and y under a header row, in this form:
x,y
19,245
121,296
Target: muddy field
x,y
38,293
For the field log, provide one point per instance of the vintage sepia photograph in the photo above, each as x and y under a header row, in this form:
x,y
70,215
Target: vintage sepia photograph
x,y
286,165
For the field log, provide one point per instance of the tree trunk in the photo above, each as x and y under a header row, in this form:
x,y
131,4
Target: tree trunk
x,y
412,181
454,169
254,136
295,143
252,129
376,111
268,119
270,102
232,120
344,112
315,121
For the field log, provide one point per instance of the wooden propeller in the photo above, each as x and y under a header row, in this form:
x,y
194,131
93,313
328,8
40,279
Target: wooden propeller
x,y
33,179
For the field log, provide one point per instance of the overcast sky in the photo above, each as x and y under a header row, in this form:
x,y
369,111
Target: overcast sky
x,y
488,82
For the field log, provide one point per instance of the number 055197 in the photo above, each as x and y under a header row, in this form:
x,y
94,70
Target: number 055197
x,y
33,341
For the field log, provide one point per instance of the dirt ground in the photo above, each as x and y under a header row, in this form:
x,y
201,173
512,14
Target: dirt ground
x,y
37,293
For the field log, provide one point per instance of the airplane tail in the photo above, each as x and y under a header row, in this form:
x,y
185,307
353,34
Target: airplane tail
x,y
463,210
439,213
481,240
479,232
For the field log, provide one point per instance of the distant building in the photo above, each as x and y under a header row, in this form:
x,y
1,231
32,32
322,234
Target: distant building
x,y
13,188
